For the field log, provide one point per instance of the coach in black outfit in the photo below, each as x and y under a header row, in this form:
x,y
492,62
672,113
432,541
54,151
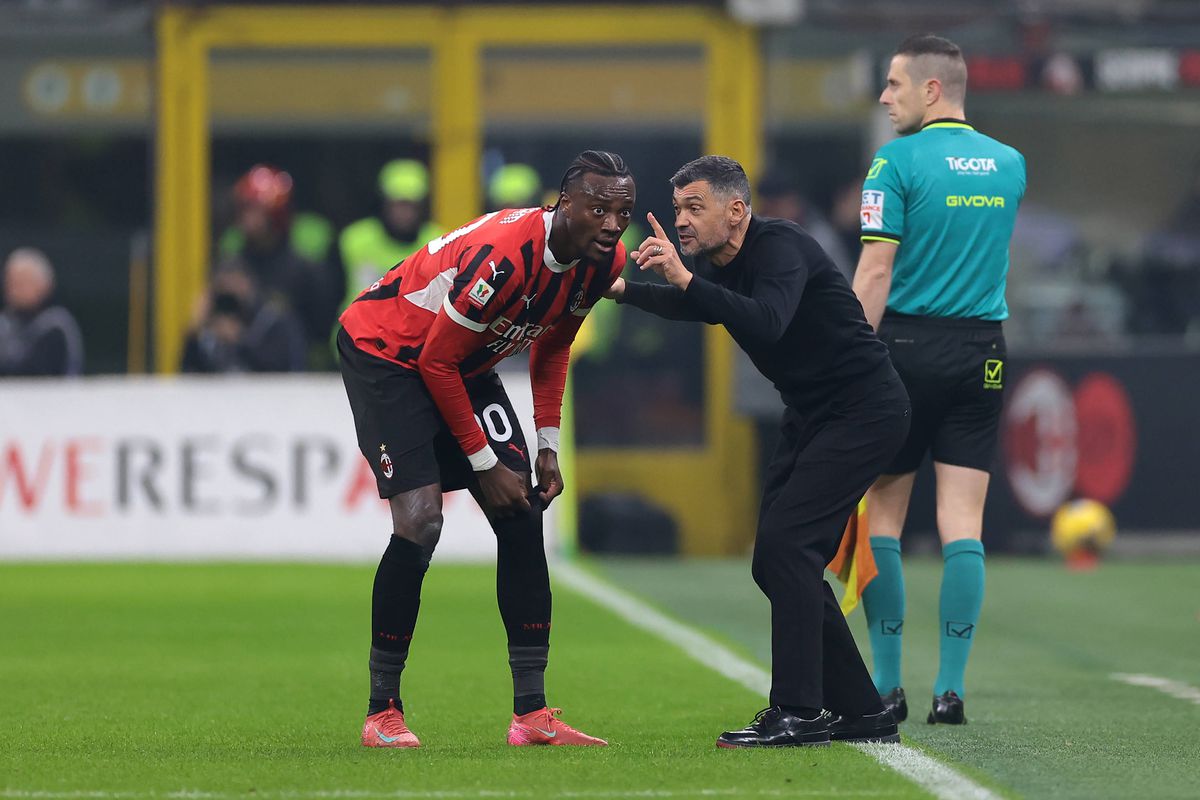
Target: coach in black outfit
x,y
786,304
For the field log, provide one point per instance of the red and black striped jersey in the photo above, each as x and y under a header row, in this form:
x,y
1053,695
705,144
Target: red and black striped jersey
x,y
474,296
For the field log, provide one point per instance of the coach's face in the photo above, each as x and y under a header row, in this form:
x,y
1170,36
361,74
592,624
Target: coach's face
x,y
903,97
704,221
598,209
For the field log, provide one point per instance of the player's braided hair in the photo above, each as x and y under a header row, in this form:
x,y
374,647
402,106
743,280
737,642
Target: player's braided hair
x,y
593,162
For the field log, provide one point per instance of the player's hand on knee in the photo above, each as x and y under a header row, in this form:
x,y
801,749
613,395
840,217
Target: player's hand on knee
x,y
550,483
504,491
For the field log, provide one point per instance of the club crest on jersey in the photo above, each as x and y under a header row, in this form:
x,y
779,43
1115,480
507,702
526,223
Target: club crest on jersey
x,y
577,301
480,293
385,462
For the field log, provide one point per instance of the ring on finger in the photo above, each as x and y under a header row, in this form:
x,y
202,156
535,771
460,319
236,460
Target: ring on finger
x,y
658,250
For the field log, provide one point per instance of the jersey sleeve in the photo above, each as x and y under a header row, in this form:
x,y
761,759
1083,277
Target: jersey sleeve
x,y
484,285
883,199
448,343
548,361
550,355
1024,174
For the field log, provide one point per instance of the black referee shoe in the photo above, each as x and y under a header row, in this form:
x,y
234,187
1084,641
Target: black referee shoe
x,y
947,710
774,727
895,702
879,727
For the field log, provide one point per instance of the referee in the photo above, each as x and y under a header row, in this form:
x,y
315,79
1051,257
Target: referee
x,y
789,308
938,208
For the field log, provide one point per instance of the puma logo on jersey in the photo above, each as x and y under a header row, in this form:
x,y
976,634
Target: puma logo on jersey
x,y
496,273
528,299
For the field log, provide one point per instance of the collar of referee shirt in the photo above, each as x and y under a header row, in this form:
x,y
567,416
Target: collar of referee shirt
x,y
948,122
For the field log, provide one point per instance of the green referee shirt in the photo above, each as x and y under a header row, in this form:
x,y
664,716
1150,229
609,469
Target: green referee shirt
x,y
948,196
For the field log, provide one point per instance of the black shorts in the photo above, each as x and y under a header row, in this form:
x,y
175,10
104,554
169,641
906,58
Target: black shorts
x,y
402,434
954,372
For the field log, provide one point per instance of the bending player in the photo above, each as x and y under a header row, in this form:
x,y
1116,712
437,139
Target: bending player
x,y
417,351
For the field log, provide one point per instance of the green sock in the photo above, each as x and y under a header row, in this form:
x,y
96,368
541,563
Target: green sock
x,y
883,602
961,600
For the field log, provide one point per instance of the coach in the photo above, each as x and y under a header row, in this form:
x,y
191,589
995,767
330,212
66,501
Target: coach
x,y
786,304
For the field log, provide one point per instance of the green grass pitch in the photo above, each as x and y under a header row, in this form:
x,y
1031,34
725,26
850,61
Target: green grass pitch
x,y
223,681
1045,717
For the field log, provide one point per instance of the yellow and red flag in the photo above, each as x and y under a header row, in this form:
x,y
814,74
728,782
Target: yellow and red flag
x,y
854,563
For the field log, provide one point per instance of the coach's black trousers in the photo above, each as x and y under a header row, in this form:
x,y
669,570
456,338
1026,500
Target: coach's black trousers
x,y
824,464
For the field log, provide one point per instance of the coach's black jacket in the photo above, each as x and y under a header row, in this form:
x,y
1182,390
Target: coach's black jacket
x,y
789,307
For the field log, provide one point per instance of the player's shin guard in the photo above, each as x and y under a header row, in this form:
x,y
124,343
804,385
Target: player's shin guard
x,y
395,600
883,602
961,601
523,592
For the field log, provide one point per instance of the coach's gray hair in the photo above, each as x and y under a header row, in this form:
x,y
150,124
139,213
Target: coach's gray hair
x,y
724,175
934,57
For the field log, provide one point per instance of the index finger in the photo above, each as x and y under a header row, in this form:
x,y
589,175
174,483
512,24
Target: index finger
x,y
658,229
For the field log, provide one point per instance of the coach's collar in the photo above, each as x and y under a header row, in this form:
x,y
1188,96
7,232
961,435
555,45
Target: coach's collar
x,y
552,263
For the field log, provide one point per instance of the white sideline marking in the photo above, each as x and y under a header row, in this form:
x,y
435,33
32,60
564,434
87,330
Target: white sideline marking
x,y
931,775
1176,689
450,794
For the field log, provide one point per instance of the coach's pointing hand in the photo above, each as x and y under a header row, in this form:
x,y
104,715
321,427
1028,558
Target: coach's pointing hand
x,y
658,254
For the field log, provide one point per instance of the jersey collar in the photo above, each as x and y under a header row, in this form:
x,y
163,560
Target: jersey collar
x,y
947,122
548,258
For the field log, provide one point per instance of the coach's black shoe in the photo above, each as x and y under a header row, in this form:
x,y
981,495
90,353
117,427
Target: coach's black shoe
x,y
947,710
774,727
895,702
879,727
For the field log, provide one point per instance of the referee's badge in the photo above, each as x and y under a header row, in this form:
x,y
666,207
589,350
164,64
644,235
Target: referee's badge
x,y
385,462
872,210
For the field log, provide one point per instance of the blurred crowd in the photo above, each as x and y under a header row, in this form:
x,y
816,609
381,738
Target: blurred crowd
x,y
281,275
37,337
